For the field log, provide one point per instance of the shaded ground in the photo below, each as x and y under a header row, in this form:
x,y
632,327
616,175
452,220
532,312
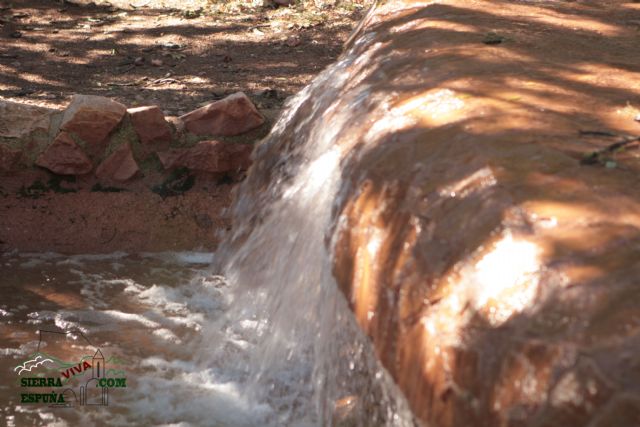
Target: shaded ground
x,y
177,55
177,59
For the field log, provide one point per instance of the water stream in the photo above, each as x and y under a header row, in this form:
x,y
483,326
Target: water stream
x,y
195,351
254,335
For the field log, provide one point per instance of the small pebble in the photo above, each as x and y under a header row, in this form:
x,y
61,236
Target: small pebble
x,y
293,41
156,62
492,38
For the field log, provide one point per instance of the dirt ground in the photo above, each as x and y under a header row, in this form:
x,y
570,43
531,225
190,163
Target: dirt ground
x,y
178,55
147,52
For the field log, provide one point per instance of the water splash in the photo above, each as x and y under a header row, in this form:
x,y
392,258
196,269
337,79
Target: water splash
x,y
306,357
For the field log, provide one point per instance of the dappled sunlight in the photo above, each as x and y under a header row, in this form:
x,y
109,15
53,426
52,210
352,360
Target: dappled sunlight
x,y
472,243
506,281
476,182
40,79
435,107
604,75
560,19
435,23
93,50
502,283
564,213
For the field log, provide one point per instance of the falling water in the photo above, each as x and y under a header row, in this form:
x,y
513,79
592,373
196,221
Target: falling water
x,y
308,358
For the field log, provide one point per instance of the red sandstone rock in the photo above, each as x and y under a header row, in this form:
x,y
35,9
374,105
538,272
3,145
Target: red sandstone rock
x,y
64,157
150,124
92,119
210,156
9,158
495,275
231,116
119,166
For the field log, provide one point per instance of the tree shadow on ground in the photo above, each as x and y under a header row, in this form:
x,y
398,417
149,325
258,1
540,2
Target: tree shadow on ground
x,y
94,50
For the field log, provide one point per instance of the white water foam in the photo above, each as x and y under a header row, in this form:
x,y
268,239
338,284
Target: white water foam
x,y
303,352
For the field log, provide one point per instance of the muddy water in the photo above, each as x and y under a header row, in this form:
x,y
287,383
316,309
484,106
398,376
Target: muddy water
x,y
129,307
162,322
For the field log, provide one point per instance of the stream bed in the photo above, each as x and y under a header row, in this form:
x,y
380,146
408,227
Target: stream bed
x,y
160,325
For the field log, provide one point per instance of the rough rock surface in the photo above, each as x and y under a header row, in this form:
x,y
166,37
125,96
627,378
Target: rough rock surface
x,y
20,120
92,118
9,159
210,156
119,167
231,116
496,274
150,124
156,209
64,157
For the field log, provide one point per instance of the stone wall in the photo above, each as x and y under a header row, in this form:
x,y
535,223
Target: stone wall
x,y
98,177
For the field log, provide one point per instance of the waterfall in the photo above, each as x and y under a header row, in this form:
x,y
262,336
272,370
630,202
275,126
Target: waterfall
x,y
306,357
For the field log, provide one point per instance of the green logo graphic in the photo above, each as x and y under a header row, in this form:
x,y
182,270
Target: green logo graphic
x,y
85,381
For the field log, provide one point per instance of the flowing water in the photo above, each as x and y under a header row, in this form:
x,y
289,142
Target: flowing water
x,y
257,334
